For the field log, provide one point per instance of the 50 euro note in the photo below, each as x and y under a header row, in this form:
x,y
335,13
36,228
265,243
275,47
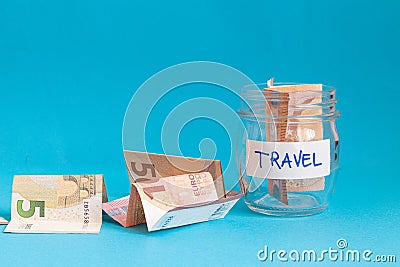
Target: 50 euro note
x,y
287,129
57,204
141,165
170,191
180,190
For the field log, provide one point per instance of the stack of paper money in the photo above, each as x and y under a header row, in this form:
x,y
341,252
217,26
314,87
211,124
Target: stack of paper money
x,y
170,191
285,129
56,204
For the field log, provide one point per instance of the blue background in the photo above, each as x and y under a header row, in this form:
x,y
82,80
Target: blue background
x,y
69,68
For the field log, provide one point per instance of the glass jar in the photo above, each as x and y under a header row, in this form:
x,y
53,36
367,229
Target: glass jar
x,y
289,154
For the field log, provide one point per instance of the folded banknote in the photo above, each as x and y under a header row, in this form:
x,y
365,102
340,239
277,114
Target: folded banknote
x,y
170,191
56,204
158,216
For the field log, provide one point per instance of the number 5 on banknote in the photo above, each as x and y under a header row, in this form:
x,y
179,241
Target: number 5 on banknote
x,y
143,171
33,205
57,204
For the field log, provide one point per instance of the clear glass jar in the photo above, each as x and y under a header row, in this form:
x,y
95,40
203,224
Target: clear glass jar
x,y
289,154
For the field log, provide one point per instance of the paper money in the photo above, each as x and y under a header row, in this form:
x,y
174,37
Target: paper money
x,y
180,190
169,191
276,131
304,130
162,193
143,165
292,130
150,166
162,216
56,204
128,211
278,189
3,221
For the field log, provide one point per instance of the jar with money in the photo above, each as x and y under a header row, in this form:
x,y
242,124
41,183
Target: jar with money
x,y
289,154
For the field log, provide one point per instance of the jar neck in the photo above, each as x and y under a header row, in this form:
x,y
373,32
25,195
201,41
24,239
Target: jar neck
x,y
274,102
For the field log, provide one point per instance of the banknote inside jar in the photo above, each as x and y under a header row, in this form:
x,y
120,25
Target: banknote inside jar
x,y
286,105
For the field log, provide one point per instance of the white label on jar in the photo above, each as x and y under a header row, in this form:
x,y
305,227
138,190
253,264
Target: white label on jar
x,y
288,160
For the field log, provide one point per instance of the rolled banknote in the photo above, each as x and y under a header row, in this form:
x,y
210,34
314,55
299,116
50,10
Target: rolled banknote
x,y
56,204
276,131
304,130
3,221
293,130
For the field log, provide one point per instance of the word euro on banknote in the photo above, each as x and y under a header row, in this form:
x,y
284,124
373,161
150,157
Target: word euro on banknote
x,y
287,129
57,204
169,191
142,165
3,221
180,190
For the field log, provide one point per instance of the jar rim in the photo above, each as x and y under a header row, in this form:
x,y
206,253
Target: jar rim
x,y
248,92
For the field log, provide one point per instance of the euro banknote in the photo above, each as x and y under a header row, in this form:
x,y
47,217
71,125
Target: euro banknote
x,y
287,129
143,165
180,190
170,191
3,221
276,131
303,130
56,204
166,193
179,203
160,215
